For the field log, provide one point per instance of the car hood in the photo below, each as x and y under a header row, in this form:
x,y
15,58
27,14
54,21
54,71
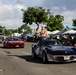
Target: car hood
x,y
54,48
15,41
61,50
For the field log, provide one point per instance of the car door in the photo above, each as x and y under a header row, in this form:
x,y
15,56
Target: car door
x,y
5,43
42,45
37,50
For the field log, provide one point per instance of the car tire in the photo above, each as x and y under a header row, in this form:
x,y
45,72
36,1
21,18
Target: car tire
x,y
34,56
22,47
4,46
44,58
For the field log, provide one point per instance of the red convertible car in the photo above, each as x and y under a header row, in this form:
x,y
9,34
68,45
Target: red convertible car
x,y
13,42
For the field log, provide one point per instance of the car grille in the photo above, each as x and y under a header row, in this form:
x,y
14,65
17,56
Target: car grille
x,y
72,58
60,58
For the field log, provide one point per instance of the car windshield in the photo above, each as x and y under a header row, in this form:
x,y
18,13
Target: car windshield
x,y
13,39
1,34
16,39
45,43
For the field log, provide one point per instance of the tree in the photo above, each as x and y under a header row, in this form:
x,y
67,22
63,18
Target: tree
x,y
74,22
55,23
35,15
2,29
26,29
19,30
14,30
7,32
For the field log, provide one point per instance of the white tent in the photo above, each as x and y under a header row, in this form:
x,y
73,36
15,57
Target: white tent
x,y
54,32
70,32
49,32
61,32
15,34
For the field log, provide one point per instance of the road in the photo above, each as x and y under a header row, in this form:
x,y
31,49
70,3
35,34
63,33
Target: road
x,y
18,61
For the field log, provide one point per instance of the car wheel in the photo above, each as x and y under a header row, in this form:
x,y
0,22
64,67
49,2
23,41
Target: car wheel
x,y
4,46
22,47
44,58
34,56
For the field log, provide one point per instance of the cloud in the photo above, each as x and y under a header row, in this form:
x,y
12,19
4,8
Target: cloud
x,y
68,4
14,23
68,17
11,14
66,8
30,3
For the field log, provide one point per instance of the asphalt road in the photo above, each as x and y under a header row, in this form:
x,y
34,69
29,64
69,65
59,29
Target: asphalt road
x,y
18,61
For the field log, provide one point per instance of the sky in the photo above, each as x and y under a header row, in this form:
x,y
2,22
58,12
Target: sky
x,y
11,14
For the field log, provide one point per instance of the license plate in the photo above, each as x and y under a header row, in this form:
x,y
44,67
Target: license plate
x,y
66,57
17,45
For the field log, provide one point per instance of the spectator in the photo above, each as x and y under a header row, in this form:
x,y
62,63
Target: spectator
x,y
37,34
43,33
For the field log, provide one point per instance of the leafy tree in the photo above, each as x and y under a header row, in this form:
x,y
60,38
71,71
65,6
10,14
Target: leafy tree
x,y
26,29
55,23
14,30
74,22
2,29
35,15
19,30
7,32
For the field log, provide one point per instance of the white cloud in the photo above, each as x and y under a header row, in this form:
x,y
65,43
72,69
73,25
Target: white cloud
x,y
14,23
55,8
11,14
68,16
19,7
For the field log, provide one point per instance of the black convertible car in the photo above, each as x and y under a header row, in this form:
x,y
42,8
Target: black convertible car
x,y
53,50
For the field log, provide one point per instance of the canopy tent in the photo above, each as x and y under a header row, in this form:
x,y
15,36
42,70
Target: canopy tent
x,y
61,32
54,32
49,32
70,32
15,34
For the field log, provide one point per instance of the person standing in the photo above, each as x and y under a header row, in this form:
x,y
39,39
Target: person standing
x,y
37,34
43,33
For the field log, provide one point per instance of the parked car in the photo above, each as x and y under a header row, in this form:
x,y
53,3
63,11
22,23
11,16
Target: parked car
x,y
13,42
27,37
2,37
53,50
